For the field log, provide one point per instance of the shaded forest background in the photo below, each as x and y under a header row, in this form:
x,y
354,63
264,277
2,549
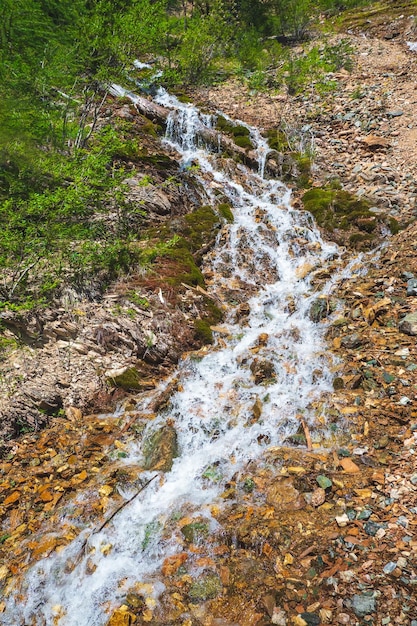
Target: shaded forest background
x,y
57,60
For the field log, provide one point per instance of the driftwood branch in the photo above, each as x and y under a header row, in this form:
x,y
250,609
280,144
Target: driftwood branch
x,y
122,506
107,521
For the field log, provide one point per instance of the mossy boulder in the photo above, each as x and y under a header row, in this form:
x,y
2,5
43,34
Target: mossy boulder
x,y
195,532
321,308
161,449
239,133
226,212
127,378
206,587
348,216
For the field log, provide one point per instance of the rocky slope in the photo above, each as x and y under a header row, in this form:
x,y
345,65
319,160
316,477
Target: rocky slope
x,y
323,536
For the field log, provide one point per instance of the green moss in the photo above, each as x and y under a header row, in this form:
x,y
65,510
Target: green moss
x,y
203,331
150,128
230,128
243,142
195,531
226,212
187,270
394,226
214,315
182,96
128,379
334,208
356,238
303,163
7,345
239,133
200,226
205,588
161,161
277,139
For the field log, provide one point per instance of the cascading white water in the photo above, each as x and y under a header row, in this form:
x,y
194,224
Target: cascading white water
x,y
268,251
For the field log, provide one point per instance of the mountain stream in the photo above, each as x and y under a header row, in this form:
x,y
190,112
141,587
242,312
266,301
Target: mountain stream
x,y
269,251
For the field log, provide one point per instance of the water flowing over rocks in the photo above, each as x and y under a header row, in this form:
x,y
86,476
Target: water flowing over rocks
x,y
267,493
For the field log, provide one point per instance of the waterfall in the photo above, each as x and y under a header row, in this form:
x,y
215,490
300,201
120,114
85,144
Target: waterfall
x,y
268,253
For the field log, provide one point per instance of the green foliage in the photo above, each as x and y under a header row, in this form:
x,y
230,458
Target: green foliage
x,y
61,177
63,218
311,67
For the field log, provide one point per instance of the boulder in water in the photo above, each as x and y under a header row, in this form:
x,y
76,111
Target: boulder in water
x,y
161,449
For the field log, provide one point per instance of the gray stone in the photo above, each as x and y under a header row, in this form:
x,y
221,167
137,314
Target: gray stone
x,y
311,619
394,113
364,514
389,567
371,528
363,605
354,340
408,324
412,287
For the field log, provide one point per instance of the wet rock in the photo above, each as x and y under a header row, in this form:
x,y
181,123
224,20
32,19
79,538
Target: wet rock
x,y
205,588
134,600
363,605
408,324
320,309
243,310
122,617
161,449
284,496
311,619
262,370
352,341
195,532
338,383
257,408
